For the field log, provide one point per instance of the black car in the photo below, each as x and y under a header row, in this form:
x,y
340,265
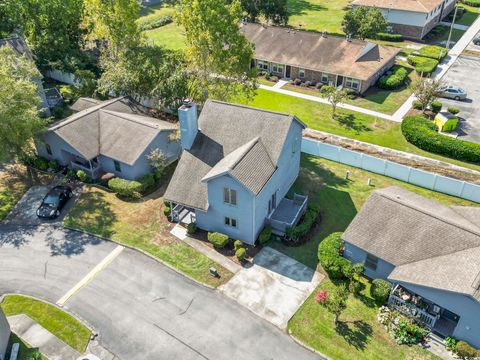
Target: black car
x,y
476,41
54,201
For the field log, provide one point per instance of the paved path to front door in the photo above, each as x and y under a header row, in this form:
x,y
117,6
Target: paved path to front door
x,y
274,286
280,84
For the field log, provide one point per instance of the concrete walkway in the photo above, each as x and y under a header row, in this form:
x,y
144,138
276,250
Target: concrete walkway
x,y
280,84
39,337
455,26
181,233
442,68
324,101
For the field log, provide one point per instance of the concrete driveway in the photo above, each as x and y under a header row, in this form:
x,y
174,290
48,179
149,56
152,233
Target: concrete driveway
x,y
273,287
142,309
465,73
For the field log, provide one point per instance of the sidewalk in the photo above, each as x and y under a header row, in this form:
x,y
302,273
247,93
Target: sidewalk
x,y
455,26
324,101
442,69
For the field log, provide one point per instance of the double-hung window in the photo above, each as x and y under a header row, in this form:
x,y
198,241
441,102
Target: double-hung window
x,y
277,68
230,222
117,165
301,73
371,262
262,65
229,196
325,78
352,83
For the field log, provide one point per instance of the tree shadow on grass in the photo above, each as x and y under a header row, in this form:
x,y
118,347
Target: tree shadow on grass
x,y
356,333
350,122
300,7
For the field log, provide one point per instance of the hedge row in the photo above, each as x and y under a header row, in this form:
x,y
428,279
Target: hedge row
x,y
390,37
335,265
423,64
131,188
156,23
296,233
422,133
433,52
395,80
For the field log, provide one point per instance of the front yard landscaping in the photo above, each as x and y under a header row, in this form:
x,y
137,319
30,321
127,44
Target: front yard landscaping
x,y
339,199
59,323
347,123
357,335
143,225
25,351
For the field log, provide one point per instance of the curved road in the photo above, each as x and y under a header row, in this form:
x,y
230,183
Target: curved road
x,y
141,308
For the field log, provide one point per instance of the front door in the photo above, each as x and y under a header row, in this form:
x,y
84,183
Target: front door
x,y
288,71
339,80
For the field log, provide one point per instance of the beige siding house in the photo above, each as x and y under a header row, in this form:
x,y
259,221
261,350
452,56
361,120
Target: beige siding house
x,y
412,18
310,56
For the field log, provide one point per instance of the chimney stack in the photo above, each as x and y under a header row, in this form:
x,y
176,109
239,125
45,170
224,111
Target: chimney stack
x,y
187,115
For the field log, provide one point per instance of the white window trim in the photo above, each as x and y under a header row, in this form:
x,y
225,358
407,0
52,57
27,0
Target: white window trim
x,y
229,202
300,75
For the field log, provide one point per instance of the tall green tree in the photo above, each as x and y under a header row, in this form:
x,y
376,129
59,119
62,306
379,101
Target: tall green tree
x,y
218,54
19,100
275,11
147,72
364,22
113,22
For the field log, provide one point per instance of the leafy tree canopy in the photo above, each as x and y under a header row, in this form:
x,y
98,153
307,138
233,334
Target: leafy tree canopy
x,y
364,22
275,11
19,115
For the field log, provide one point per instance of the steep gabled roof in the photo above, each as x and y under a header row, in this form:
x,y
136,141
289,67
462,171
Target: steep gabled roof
x,y
240,141
118,128
430,244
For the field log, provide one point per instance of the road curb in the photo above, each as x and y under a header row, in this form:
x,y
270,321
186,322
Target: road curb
x,y
142,252
299,342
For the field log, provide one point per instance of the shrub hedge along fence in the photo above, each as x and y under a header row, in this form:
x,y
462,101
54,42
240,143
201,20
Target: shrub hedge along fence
x,y
390,37
422,133
433,52
422,64
334,264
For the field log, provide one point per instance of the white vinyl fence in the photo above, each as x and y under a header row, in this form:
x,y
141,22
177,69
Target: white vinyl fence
x,y
65,77
391,169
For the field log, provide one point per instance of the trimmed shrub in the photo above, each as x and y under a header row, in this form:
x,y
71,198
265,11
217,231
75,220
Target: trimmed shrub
x,y
422,64
167,210
82,175
395,80
54,165
237,244
147,181
308,83
453,110
308,220
450,343
422,133
274,78
265,235
126,188
390,37
436,106
218,240
319,85
433,52
57,112
329,255
356,287
192,228
417,104
380,290
156,23
41,163
297,82
466,351
240,254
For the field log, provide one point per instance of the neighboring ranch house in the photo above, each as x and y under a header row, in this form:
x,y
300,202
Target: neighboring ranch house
x,y
412,18
309,56
238,164
4,334
431,254
113,136
19,46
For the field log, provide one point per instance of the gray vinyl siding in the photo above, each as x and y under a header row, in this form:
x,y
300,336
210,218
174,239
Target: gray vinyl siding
x,y
357,255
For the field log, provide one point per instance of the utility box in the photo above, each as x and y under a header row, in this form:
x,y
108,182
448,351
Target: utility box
x,y
446,121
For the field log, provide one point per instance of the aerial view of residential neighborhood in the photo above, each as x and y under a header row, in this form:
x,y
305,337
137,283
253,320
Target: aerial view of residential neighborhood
x,y
239,179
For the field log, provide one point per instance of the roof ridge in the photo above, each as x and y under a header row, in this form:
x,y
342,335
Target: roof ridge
x,y
251,108
138,121
416,208
245,152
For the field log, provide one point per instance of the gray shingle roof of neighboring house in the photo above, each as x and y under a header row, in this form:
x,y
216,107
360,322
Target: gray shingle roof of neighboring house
x,y
84,104
308,50
430,244
120,129
239,140
18,45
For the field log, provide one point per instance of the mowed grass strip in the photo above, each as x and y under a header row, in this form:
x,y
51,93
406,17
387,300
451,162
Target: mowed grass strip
x,y
59,323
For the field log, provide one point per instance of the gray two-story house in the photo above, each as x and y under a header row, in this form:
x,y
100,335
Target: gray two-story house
x,y
237,165
114,136
431,254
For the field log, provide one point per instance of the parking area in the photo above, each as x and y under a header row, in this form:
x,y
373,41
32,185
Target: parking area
x,y
24,212
273,287
465,73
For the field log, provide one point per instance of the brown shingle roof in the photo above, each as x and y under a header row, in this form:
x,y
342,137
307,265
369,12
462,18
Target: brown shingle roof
x,y
308,50
423,6
419,236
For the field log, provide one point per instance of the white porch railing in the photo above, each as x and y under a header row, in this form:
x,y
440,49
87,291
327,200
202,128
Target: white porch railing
x,y
280,227
411,310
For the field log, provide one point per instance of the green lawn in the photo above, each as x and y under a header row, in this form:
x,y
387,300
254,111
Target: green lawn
x,y
317,15
340,200
469,16
59,323
25,352
350,124
143,225
155,11
357,336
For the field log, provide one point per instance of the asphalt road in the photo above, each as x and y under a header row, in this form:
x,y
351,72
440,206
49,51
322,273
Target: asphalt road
x,y
142,309
465,73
